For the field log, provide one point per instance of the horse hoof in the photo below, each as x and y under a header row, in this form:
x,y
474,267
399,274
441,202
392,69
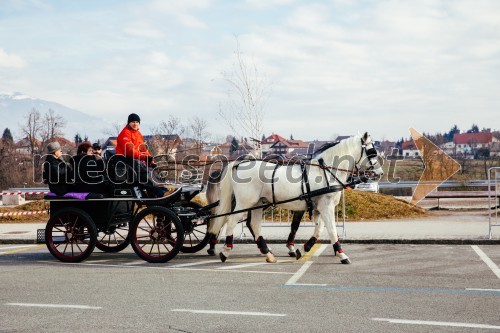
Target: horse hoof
x,y
270,258
292,254
345,261
298,254
211,252
222,257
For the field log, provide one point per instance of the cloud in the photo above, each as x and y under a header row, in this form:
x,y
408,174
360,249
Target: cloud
x,y
10,60
143,29
182,11
260,5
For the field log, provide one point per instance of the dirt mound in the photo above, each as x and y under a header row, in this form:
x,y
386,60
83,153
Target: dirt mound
x,y
32,206
362,206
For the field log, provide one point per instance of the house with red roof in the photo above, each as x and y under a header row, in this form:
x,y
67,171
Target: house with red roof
x,y
410,150
467,144
269,141
284,147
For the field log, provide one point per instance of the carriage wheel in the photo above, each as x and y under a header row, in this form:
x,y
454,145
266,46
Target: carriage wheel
x,y
70,235
196,234
114,239
156,234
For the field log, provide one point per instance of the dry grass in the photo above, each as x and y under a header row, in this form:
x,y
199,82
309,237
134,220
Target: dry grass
x,y
362,206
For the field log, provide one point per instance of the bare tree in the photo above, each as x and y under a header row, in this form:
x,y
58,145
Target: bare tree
x,y
167,136
198,129
52,127
247,96
172,126
114,130
32,128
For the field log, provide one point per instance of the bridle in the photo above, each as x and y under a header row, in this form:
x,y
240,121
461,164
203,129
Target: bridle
x,y
370,153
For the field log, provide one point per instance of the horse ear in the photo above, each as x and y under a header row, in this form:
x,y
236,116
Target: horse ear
x,y
365,136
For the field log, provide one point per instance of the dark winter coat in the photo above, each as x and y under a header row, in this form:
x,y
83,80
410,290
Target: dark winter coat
x,y
57,174
89,174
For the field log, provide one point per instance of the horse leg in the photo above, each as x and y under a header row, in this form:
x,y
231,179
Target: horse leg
x,y
297,217
331,227
228,246
310,243
254,224
212,242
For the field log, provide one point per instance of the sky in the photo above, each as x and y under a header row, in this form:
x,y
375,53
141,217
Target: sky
x,y
332,67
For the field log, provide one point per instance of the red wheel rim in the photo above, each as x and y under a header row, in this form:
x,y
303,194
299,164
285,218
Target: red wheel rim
x,y
69,236
155,236
113,238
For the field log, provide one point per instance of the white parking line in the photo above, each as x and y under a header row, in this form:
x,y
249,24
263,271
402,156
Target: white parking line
x,y
67,306
239,313
436,323
480,289
293,280
193,263
16,247
244,265
487,260
135,262
162,268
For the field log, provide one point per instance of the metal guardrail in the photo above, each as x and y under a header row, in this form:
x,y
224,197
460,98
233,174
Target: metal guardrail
x,y
493,215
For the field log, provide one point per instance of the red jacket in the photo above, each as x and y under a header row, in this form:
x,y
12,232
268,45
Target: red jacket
x,y
130,143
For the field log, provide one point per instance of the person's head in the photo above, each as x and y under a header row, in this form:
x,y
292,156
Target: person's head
x,y
96,149
133,121
84,148
54,148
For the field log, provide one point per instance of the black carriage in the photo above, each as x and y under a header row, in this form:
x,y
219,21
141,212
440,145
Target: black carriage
x,y
157,228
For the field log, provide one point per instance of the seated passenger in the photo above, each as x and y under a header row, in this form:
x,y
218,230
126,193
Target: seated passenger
x,y
89,170
97,149
56,172
130,143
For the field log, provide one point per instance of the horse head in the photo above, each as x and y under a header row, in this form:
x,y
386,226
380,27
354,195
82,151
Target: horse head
x,y
369,158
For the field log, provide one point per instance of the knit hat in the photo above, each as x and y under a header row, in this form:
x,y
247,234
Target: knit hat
x,y
133,117
96,146
53,147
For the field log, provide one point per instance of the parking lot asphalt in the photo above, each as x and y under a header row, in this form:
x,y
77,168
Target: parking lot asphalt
x,y
387,288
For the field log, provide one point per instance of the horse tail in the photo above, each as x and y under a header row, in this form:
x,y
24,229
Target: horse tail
x,y
225,200
212,192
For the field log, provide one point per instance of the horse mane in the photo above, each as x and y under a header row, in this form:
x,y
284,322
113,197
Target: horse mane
x,y
325,147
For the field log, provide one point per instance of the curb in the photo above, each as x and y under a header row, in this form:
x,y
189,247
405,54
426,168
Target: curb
x,y
386,241
346,241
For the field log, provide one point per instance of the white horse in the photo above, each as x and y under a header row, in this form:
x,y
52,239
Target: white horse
x,y
256,183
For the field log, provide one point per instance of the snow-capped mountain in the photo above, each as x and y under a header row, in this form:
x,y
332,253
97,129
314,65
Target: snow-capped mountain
x,y
14,107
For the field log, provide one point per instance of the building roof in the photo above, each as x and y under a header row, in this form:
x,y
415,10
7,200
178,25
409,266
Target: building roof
x,y
467,138
273,138
408,145
292,144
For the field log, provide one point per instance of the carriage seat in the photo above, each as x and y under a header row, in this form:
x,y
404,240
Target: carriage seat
x,y
75,195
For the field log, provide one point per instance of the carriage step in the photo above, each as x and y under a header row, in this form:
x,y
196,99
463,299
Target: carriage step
x,y
40,236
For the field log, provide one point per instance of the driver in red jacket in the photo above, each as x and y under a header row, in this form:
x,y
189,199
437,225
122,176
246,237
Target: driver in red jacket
x,y
130,142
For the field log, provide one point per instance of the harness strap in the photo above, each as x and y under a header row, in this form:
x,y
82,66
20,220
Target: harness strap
x,y
307,195
272,183
325,169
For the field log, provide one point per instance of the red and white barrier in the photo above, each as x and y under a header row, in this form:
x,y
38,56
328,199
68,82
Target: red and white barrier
x,y
20,192
32,212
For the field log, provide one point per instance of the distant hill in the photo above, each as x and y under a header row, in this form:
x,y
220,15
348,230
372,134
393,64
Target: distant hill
x,y
15,106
